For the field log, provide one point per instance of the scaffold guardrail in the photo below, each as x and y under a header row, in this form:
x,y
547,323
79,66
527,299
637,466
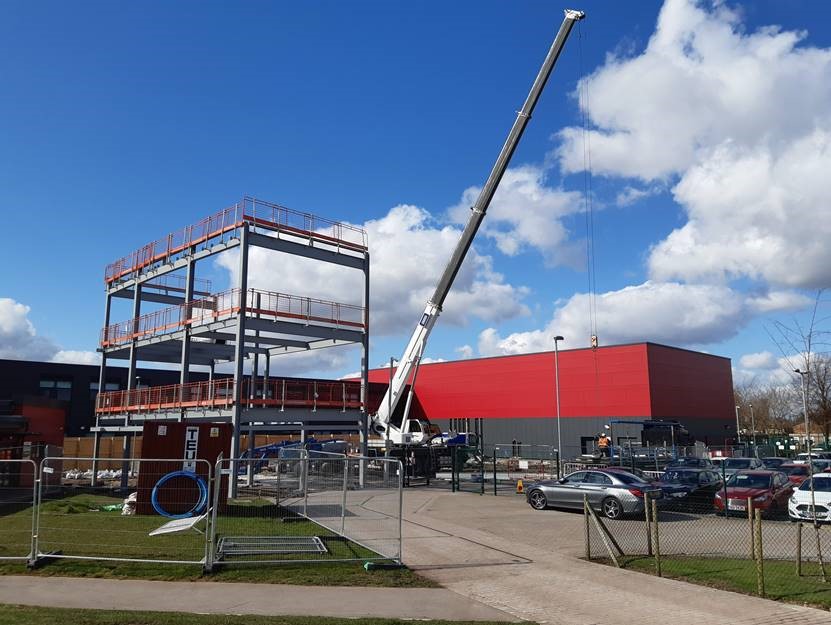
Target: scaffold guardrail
x,y
178,282
219,394
250,210
257,303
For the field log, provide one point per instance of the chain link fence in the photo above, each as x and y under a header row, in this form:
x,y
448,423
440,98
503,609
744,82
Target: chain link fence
x,y
751,546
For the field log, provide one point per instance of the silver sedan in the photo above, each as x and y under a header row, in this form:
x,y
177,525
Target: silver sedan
x,y
613,493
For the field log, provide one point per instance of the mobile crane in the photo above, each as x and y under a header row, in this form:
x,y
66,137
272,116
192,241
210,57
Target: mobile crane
x,y
420,432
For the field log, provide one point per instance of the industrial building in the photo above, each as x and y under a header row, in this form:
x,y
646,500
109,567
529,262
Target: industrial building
x,y
515,396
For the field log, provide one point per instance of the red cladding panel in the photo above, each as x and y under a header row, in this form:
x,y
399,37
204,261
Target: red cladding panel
x,y
45,423
689,384
611,381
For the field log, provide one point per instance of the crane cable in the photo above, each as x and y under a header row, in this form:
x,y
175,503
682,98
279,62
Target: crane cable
x,y
588,199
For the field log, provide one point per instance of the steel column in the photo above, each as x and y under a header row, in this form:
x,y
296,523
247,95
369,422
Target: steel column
x,y
239,353
184,376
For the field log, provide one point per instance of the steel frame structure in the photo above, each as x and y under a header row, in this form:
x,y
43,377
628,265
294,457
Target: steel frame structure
x,y
203,328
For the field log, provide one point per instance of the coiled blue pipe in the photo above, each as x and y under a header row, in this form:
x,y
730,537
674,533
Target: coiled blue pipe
x,y
203,495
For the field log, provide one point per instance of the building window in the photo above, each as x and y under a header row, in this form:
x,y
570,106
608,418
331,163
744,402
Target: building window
x,y
56,389
108,386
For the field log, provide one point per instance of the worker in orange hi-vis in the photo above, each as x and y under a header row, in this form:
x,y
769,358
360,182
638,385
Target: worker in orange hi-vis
x,y
603,444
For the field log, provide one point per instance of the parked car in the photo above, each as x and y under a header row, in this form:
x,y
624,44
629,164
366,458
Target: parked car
x,y
822,466
814,455
770,491
691,462
613,493
799,505
774,463
636,472
797,473
733,465
690,488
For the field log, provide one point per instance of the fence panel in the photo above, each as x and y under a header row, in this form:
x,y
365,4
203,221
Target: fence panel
x,y
509,463
86,519
308,506
373,502
18,498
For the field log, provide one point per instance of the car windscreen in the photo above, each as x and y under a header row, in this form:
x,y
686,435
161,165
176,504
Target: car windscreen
x,y
800,470
748,480
737,463
680,477
821,485
774,462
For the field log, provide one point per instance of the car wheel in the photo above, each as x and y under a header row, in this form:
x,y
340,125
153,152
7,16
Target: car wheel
x,y
537,500
611,508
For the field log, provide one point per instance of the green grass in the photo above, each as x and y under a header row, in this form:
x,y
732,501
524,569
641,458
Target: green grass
x,y
20,615
781,581
77,526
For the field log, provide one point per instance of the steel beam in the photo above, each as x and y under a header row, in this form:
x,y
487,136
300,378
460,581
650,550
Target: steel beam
x,y
307,251
175,265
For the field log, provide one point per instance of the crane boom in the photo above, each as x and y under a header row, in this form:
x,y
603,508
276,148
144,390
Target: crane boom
x,y
381,422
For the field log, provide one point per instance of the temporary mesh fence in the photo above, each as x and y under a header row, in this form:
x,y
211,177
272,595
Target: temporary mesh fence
x,y
300,506
307,506
509,463
18,493
753,545
86,515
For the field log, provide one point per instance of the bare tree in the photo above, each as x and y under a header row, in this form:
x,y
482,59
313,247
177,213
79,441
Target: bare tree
x,y
808,348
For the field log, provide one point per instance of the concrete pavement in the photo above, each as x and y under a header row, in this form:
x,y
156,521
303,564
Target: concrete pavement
x,y
499,551
234,598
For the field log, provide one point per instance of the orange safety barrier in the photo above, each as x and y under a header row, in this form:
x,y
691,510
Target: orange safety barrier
x,y
258,303
219,393
249,210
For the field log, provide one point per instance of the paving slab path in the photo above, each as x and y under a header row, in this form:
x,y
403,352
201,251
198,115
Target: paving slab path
x,y
239,598
499,551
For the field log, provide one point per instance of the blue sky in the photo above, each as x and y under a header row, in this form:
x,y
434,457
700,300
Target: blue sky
x,y
709,143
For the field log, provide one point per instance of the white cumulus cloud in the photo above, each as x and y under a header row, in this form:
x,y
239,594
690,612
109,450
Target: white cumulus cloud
x,y
19,339
408,251
702,79
758,360
672,313
526,213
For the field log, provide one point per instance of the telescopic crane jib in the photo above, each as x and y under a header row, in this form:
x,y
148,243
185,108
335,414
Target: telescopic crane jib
x,y
382,421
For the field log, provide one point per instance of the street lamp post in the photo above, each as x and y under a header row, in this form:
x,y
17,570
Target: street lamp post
x,y
557,339
737,425
753,431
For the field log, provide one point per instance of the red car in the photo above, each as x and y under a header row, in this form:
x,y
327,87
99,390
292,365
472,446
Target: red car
x,y
770,491
797,473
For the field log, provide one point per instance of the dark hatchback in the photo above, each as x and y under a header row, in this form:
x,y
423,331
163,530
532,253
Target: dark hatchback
x,y
690,462
689,488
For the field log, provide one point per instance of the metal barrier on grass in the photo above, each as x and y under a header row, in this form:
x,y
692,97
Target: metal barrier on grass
x,y
18,498
307,507
84,519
